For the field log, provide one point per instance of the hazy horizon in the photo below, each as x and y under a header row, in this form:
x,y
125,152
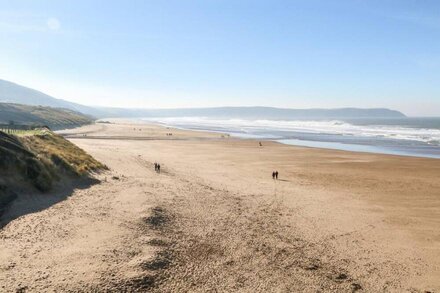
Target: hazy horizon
x,y
224,106
192,54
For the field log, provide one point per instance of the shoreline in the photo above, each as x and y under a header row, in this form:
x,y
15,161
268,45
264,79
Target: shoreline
x,y
424,149
218,135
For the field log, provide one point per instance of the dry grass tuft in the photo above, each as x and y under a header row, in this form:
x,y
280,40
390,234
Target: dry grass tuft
x,y
62,153
38,161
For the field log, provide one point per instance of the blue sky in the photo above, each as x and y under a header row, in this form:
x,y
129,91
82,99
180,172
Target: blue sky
x,y
297,54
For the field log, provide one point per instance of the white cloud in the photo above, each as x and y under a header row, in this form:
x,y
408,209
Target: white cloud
x,y
53,24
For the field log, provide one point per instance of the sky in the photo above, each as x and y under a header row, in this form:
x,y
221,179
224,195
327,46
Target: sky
x,y
177,53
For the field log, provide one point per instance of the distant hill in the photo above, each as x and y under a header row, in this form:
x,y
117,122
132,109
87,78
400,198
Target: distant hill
x,y
55,118
14,93
257,113
18,94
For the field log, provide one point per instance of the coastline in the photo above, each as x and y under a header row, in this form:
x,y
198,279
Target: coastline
x,y
334,221
382,136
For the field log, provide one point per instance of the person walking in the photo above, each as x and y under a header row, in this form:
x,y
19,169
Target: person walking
x,y
158,168
276,175
273,175
155,166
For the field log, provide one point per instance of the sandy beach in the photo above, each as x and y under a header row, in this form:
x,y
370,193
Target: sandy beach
x,y
214,220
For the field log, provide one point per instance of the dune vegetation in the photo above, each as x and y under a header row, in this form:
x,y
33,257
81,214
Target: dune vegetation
x,y
38,162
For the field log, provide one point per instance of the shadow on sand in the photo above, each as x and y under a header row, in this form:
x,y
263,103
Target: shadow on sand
x,y
31,202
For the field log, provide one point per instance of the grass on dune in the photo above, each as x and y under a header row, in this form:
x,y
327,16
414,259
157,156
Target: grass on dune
x,y
62,152
39,161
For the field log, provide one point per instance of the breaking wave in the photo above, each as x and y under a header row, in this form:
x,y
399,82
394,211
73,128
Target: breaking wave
x,y
281,129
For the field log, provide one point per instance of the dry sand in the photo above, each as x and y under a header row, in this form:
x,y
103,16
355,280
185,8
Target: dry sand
x,y
214,220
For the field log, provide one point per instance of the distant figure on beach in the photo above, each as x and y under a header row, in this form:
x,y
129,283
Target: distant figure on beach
x,y
155,166
260,143
158,168
276,175
273,175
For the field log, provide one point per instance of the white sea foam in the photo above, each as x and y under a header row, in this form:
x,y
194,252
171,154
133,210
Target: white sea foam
x,y
335,127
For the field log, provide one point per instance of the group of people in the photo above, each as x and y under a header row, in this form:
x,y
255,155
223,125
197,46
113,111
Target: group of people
x,y
275,175
157,167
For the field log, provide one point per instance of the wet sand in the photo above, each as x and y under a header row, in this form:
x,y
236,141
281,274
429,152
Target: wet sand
x,y
215,220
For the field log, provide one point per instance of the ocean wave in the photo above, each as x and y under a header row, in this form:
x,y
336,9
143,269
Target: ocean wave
x,y
334,127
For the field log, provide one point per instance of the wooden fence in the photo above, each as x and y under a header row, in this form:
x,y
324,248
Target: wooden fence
x,y
17,129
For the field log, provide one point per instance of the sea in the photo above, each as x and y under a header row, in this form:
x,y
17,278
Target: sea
x,y
419,137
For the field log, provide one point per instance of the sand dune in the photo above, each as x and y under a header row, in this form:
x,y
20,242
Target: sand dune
x,y
214,220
